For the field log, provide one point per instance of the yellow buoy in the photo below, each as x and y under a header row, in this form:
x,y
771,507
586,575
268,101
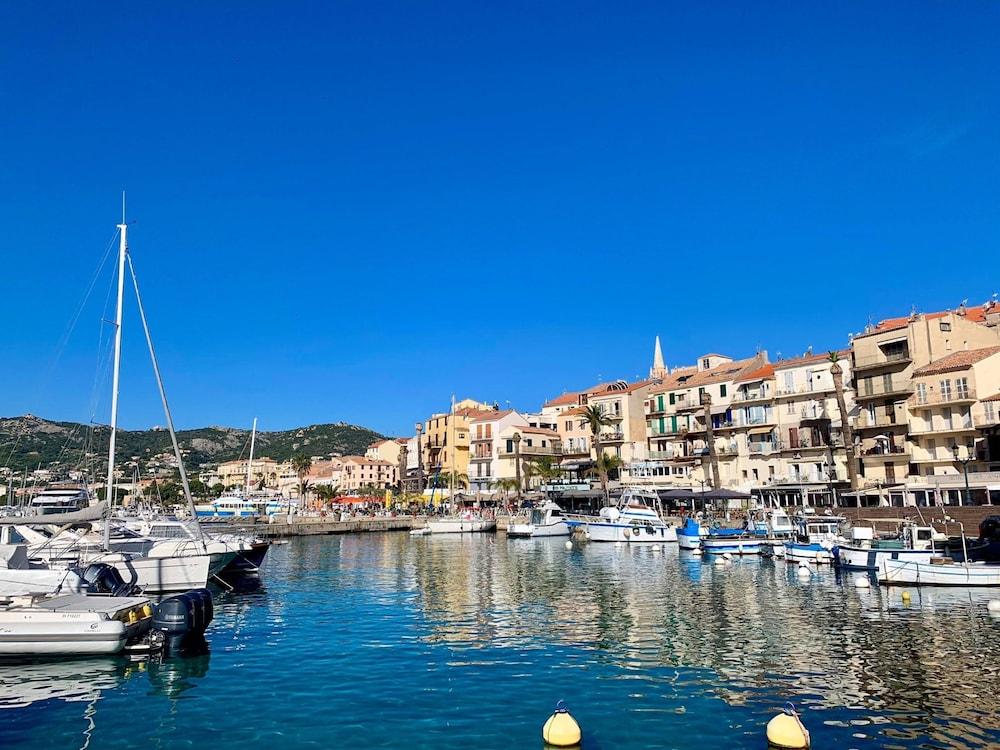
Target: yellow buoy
x,y
786,731
906,596
561,729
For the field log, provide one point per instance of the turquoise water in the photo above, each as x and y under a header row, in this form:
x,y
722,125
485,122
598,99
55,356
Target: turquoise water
x,y
385,640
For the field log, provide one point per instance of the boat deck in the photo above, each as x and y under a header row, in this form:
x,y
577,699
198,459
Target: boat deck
x,y
105,605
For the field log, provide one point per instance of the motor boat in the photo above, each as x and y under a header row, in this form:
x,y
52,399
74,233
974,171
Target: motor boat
x,y
937,571
71,624
249,551
815,537
59,498
741,543
546,520
462,523
634,520
867,550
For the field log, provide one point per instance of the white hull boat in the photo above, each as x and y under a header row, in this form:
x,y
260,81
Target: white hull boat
x,y
734,545
945,573
635,520
460,525
162,575
544,521
71,625
861,558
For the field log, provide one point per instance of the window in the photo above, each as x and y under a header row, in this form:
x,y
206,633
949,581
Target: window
x,y
989,411
946,390
790,407
673,399
944,325
887,383
722,390
789,381
961,388
705,363
921,393
569,426
809,380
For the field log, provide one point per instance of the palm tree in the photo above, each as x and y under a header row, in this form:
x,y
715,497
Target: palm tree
x,y
505,485
545,468
302,465
848,432
606,463
445,477
595,418
713,459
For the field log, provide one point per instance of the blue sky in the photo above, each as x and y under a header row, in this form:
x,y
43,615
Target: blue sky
x,y
350,211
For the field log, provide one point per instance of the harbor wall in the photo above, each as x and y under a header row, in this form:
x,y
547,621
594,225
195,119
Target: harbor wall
x,y
316,525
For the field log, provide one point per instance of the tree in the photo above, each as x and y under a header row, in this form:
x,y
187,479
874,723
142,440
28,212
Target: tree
x,y
302,464
444,480
544,467
595,418
505,485
838,385
218,488
606,463
713,458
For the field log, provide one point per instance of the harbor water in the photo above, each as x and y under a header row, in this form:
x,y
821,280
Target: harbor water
x,y
387,640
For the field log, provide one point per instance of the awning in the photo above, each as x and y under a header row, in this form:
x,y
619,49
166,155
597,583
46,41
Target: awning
x,y
575,464
720,409
761,431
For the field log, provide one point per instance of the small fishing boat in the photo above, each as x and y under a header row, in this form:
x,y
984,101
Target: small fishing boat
x,y
938,571
689,535
815,538
734,544
546,520
867,550
634,520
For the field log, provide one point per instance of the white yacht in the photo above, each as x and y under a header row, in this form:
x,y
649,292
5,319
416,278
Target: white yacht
x,y
59,498
635,520
546,520
464,522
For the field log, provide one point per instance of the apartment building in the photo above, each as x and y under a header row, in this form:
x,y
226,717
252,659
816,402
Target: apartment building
x,y
884,359
357,472
385,450
622,404
445,442
535,443
485,444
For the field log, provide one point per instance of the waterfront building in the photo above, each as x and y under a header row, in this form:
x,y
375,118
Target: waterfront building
x,y
884,359
536,443
266,472
385,450
357,472
445,442
485,442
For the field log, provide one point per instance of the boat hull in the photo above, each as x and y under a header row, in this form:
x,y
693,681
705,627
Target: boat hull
x,y
911,573
460,526
606,531
813,553
526,530
734,546
860,558
164,575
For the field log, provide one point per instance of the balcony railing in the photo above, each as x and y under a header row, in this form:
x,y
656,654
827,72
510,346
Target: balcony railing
x,y
871,361
532,450
612,437
937,397
878,387
804,390
662,455
762,448
886,450
865,421
742,397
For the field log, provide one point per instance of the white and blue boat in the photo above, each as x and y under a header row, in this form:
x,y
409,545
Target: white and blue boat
x,y
635,520
815,539
689,535
740,543
868,551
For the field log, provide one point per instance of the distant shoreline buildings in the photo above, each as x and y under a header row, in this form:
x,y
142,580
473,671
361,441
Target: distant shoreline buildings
x,y
909,406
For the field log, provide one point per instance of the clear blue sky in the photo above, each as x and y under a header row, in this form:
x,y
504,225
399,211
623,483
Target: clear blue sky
x,y
351,210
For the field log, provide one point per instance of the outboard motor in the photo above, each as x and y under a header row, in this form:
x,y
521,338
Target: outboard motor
x,y
183,618
989,529
105,579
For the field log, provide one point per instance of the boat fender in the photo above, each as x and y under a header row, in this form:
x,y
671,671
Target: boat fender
x,y
993,605
862,582
568,545
786,731
804,571
627,533
905,596
561,729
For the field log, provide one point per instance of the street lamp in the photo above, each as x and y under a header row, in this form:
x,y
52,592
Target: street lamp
x,y
517,464
965,470
420,461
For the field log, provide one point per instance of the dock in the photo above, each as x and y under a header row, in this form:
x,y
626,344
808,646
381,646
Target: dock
x,y
282,527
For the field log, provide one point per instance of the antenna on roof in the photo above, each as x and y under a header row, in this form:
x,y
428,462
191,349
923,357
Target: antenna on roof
x,y
809,350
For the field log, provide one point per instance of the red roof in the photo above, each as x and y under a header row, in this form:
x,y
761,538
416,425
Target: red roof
x,y
975,314
761,373
957,361
492,415
806,359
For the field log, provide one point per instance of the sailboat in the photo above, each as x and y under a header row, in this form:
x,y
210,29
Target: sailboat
x,y
178,569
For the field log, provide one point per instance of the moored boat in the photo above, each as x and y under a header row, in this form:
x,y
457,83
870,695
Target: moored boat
x,y
635,520
735,544
937,572
867,551
815,538
463,523
546,520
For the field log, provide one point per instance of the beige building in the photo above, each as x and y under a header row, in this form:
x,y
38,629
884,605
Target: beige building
x,y
485,432
445,442
385,450
536,443
884,359
357,472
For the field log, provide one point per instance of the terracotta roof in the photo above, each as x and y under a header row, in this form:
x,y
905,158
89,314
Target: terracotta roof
x,y
574,411
472,412
761,373
957,361
616,388
490,416
563,400
975,314
994,397
720,374
538,431
806,359
367,461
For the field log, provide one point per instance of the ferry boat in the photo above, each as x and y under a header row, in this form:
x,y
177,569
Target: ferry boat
x,y
814,540
546,520
228,506
635,520
868,551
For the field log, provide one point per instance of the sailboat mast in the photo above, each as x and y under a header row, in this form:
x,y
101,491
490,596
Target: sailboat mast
x,y
253,439
454,455
109,493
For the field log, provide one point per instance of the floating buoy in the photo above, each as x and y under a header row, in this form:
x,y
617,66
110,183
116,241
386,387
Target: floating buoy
x,y
905,596
727,556
696,552
803,571
720,561
568,545
786,730
993,605
561,729
618,544
862,582
656,549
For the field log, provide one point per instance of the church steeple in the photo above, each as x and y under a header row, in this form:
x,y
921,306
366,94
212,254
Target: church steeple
x,y
659,370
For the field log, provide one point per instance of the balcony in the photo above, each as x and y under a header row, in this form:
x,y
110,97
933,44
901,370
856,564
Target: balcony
x,y
876,361
662,455
612,437
866,390
887,453
865,421
532,450
763,448
943,398
811,445
805,390
684,404
657,432
964,423
745,397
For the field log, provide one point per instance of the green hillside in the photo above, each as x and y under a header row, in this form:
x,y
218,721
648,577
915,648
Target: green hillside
x,y
30,442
